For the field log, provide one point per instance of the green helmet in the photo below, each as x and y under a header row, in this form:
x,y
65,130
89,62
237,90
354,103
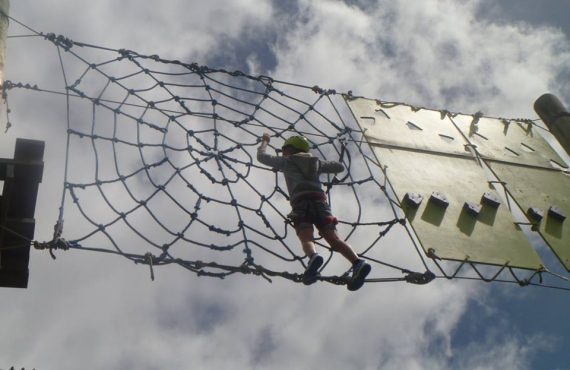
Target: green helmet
x,y
298,142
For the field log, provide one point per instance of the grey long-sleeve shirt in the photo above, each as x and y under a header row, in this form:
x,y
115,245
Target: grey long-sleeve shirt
x,y
301,170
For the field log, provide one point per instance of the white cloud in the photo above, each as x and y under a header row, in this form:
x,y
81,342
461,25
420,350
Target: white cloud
x,y
174,29
504,352
434,53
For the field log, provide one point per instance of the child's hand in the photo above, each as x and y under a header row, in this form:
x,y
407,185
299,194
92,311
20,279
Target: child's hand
x,y
265,138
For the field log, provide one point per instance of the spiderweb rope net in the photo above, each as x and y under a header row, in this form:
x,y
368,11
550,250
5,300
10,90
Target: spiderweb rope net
x,y
161,166
160,169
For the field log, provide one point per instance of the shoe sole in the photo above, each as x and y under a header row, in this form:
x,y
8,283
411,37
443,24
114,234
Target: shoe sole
x,y
310,276
358,281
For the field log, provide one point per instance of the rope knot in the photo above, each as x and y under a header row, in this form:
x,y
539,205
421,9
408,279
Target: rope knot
x,y
419,278
60,40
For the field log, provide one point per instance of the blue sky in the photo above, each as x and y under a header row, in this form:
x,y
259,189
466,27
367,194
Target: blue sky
x,y
96,312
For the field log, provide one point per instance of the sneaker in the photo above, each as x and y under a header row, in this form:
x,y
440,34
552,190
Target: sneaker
x,y
360,270
312,271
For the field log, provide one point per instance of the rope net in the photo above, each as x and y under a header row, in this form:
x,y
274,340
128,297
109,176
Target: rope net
x,y
161,169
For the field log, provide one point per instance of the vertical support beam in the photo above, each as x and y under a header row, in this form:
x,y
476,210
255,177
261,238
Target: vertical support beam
x,y
4,11
556,117
22,176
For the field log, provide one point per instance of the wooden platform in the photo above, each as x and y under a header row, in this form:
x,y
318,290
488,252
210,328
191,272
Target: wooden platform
x,y
21,176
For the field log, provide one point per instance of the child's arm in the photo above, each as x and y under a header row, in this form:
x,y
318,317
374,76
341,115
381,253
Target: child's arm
x,y
268,159
331,167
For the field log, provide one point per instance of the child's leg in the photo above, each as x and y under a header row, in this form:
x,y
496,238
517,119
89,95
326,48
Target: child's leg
x,y
306,237
327,227
339,245
315,261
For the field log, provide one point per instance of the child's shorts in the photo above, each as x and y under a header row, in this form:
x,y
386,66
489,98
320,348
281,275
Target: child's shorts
x,y
312,209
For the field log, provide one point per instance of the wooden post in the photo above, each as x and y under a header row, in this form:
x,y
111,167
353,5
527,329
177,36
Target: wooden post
x,y
556,117
4,11
22,176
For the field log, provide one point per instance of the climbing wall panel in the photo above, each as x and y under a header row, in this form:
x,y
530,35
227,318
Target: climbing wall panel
x,y
509,141
484,233
441,186
531,171
544,195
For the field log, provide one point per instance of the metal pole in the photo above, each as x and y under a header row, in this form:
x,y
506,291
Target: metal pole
x,y
4,11
556,117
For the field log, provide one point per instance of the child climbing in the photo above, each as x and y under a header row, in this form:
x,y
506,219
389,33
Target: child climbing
x,y
309,205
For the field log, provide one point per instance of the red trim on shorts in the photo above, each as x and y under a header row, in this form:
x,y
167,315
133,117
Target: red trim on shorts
x,y
330,220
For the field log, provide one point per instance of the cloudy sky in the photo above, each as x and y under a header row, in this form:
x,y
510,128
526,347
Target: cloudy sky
x,y
92,311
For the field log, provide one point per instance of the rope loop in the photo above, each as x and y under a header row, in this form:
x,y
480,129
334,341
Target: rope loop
x,y
56,243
